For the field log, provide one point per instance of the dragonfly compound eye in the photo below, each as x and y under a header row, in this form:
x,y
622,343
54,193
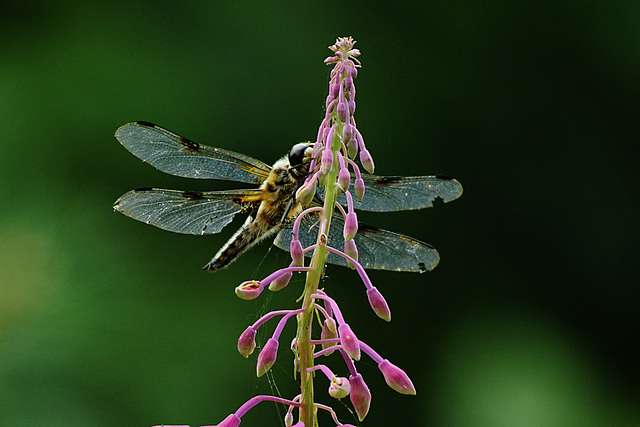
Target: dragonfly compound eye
x,y
299,154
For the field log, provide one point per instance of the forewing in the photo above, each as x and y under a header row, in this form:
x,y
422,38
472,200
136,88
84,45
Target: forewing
x,y
184,211
378,249
401,193
177,155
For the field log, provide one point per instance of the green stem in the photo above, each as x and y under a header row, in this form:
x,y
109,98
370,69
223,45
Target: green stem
x,y
305,348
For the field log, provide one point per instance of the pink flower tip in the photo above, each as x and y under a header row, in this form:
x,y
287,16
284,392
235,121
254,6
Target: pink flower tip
x,y
328,332
297,254
366,160
360,396
339,387
280,282
267,356
327,160
352,148
342,110
349,341
247,341
350,226
344,179
351,249
298,424
396,378
378,304
306,192
359,188
249,290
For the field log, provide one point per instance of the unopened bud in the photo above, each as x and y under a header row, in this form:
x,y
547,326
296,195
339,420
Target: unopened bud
x,y
342,111
306,193
366,160
351,249
267,356
359,188
360,396
280,282
297,254
326,161
247,341
328,332
378,304
396,378
350,226
349,341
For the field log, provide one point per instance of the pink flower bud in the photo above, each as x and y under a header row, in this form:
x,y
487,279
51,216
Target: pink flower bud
x,y
347,132
298,424
351,249
396,378
349,341
306,192
339,387
366,160
350,226
280,282
352,148
249,290
247,341
328,101
326,161
334,88
360,396
348,82
344,179
328,332
342,111
297,254
359,188
267,356
378,303
352,107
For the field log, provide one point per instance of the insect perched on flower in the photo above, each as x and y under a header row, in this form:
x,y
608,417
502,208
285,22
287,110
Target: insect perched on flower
x,y
271,207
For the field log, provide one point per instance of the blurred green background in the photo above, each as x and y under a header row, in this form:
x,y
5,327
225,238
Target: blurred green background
x,y
532,317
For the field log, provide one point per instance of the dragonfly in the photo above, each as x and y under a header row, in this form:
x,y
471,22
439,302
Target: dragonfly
x,y
271,206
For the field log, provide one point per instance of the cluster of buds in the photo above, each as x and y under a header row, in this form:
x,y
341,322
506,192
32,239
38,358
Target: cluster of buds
x,y
337,144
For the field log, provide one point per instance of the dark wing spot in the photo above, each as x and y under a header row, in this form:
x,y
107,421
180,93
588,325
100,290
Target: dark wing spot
x,y
147,124
189,145
141,189
368,228
447,177
422,267
388,180
193,195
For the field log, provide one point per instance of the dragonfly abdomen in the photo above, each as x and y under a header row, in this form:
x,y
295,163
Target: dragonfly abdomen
x,y
250,233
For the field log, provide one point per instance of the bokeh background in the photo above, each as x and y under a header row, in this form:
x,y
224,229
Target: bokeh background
x,y
531,318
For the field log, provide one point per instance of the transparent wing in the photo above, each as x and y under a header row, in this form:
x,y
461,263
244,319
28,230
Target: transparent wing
x,y
184,211
401,193
177,155
378,249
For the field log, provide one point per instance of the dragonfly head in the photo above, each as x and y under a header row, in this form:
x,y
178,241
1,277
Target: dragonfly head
x,y
299,158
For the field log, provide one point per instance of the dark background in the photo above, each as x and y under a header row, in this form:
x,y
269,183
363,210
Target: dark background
x,y
531,318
